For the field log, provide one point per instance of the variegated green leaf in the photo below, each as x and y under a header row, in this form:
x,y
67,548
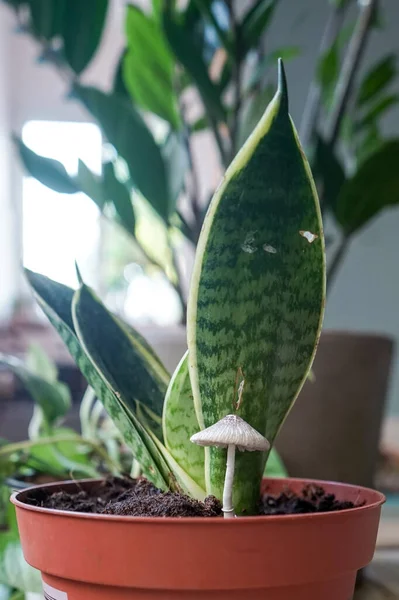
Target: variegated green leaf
x,y
139,389
118,355
180,423
56,301
257,293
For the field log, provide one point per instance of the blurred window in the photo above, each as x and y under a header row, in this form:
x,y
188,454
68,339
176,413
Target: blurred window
x,y
61,228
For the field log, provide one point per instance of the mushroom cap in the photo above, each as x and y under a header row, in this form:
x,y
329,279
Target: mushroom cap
x,y
232,430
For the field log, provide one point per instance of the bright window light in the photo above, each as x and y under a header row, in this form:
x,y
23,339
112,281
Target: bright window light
x,y
61,228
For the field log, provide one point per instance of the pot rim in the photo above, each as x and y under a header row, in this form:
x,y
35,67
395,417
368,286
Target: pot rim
x,y
197,521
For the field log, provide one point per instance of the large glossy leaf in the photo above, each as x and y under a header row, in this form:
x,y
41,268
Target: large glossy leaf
x,y
53,397
149,66
329,171
376,111
56,301
127,131
377,79
46,17
257,293
117,193
48,171
184,48
90,184
82,27
180,423
374,186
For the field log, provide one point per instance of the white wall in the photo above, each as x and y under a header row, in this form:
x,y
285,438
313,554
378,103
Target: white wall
x,y
366,294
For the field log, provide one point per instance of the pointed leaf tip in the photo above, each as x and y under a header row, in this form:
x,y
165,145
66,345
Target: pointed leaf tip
x,y
282,85
79,274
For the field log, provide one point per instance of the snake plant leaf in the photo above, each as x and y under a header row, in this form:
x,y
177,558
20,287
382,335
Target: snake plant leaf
x,y
180,423
149,66
119,358
139,388
48,171
257,294
82,28
56,301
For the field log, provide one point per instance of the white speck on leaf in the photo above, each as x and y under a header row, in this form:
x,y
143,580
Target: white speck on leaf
x,y
308,235
249,243
270,249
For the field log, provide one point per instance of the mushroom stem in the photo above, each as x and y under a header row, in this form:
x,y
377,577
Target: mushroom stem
x,y
228,509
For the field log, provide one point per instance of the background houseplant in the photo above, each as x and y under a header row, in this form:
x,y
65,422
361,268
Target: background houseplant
x,y
354,108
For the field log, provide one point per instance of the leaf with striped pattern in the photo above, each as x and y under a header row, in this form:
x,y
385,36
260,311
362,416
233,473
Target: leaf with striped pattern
x,y
138,383
257,294
180,423
56,301
138,388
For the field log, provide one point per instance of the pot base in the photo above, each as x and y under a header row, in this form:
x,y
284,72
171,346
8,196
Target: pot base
x,y
327,590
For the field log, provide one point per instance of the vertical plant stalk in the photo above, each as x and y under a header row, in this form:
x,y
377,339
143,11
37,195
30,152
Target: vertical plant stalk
x,y
313,101
349,69
337,260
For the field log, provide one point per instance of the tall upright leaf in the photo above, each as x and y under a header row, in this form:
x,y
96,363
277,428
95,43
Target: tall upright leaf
x,y
140,389
138,385
56,301
257,293
126,130
82,27
180,423
149,66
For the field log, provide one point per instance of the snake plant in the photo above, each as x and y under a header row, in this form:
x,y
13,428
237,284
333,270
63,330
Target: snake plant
x,y
255,311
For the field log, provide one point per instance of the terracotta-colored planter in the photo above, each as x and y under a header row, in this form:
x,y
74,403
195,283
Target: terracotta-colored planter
x,y
293,557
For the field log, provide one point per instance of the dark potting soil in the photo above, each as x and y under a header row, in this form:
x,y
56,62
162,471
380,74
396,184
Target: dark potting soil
x,y
140,498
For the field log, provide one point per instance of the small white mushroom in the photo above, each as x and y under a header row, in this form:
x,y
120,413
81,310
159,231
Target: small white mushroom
x,y
231,432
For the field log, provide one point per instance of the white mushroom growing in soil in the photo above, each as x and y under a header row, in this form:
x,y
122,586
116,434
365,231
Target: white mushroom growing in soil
x,y
231,432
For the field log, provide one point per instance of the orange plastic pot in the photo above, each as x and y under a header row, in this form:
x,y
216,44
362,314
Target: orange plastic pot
x,y
293,557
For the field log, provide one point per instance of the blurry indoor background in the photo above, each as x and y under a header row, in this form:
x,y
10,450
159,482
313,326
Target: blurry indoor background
x,y
348,424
